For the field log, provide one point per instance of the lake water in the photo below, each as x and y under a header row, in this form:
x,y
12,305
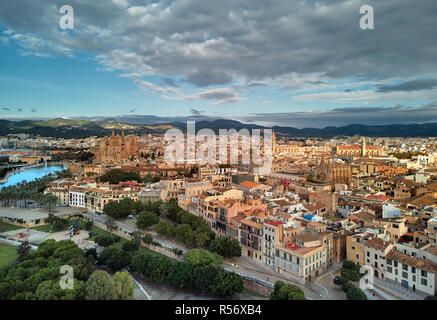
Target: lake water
x,y
31,175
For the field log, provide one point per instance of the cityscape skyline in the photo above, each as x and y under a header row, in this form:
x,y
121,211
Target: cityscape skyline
x,y
219,157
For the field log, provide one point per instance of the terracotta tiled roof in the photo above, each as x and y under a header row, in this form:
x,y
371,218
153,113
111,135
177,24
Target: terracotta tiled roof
x,y
249,184
377,243
307,237
423,264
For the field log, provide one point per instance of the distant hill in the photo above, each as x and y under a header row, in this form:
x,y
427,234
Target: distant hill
x,y
68,128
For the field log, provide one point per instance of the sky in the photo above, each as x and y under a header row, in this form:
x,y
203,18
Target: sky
x,y
298,63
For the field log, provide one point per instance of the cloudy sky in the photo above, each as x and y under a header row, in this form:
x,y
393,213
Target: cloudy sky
x,y
300,63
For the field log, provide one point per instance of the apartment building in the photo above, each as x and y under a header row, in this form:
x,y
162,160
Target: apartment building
x,y
375,250
272,232
250,237
303,259
412,268
77,197
61,193
394,227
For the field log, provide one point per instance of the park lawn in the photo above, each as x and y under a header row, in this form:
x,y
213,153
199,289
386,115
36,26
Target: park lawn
x,y
5,227
8,254
98,232
44,228
119,244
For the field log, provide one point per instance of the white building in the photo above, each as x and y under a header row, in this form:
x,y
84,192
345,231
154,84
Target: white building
x,y
390,211
411,268
76,198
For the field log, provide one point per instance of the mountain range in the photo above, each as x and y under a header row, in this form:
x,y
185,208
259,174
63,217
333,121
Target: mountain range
x,y
82,128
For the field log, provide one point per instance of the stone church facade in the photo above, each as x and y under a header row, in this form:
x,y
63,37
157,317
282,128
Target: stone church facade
x,y
116,149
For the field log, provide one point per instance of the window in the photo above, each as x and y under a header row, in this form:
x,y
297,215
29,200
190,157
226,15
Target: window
x,y
413,270
423,281
389,269
414,278
358,256
423,273
376,256
297,260
395,263
404,275
368,253
389,262
404,267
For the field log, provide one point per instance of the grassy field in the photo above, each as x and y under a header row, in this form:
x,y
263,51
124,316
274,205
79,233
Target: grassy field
x,y
97,231
44,228
4,227
8,254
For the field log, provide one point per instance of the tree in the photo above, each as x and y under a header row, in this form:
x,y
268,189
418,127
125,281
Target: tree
x,y
350,275
116,176
120,209
146,219
201,257
124,286
151,266
104,240
100,287
226,247
203,277
89,225
110,225
180,232
115,258
339,281
283,291
351,266
179,274
202,239
91,252
227,284
352,292
131,246
23,251
160,266
164,228
148,238
37,277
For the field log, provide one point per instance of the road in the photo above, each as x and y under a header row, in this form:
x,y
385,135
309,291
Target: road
x,y
322,289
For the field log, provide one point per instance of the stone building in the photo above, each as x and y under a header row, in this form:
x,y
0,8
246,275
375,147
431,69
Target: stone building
x,y
332,172
116,149
359,151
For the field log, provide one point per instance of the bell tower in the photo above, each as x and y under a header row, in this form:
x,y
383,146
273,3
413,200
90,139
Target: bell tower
x,y
363,147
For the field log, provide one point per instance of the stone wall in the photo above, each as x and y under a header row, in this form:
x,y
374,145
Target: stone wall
x,y
257,287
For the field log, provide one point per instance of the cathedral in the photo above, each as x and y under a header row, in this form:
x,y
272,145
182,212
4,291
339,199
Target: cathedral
x,y
116,149
329,171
